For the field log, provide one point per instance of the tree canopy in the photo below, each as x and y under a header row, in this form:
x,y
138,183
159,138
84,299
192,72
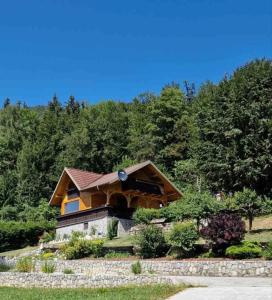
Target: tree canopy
x,y
219,139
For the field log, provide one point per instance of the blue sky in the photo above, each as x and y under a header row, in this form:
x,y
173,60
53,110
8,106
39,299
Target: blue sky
x,y
99,50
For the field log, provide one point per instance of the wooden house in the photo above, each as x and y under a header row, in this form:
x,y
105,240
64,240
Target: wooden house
x,y
88,201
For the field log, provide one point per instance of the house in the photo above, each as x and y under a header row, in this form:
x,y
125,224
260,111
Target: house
x,y
88,201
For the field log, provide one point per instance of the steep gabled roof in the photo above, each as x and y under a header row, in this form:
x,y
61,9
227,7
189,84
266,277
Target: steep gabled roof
x,y
82,178
113,177
85,180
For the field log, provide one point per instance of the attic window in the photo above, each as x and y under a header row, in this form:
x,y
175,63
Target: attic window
x,y
72,206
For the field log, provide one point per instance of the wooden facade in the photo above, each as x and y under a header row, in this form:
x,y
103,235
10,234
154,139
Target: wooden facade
x,y
83,195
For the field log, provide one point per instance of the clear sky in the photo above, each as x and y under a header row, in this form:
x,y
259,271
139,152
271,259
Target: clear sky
x,y
99,50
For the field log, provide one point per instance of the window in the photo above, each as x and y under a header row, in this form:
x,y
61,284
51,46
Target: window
x,y
85,226
71,207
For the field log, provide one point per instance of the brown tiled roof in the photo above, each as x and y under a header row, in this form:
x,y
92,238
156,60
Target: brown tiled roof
x,y
82,178
113,177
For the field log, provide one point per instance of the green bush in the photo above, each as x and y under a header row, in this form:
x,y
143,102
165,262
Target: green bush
x,y
244,250
47,237
14,235
79,248
267,253
150,242
47,255
4,267
68,271
112,228
136,268
25,265
182,237
145,215
48,267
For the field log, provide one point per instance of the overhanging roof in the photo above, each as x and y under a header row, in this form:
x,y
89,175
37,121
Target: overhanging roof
x,y
85,180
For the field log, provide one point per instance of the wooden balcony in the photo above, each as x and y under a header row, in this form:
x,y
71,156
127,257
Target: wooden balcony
x,y
93,214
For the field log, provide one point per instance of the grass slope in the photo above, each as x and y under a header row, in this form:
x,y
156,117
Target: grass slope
x,y
151,292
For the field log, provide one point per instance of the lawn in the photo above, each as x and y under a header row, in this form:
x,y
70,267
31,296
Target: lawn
x,y
122,241
262,229
19,251
149,292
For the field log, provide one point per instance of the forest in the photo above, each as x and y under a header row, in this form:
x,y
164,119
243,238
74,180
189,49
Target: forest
x,y
217,139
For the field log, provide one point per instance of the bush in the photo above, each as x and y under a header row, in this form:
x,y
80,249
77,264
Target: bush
x,y
244,250
4,267
79,247
136,268
68,271
223,230
145,215
112,228
47,237
25,265
47,255
151,242
97,247
183,236
14,235
267,253
48,267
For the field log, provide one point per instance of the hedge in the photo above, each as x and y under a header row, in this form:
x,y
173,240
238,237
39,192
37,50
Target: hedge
x,y
16,235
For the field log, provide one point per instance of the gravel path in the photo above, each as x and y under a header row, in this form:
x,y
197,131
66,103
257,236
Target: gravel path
x,y
225,288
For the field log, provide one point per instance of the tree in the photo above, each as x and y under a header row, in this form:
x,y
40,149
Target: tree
x,y
193,205
223,230
6,103
236,132
249,203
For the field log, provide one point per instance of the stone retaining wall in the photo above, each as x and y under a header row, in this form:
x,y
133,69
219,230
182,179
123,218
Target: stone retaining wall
x,y
13,279
228,268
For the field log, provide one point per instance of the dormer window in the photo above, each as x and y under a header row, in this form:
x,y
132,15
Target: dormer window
x,y
72,206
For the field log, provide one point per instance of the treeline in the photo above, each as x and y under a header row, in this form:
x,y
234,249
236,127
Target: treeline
x,y
218,139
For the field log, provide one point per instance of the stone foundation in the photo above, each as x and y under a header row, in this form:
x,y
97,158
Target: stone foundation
x,y
100,226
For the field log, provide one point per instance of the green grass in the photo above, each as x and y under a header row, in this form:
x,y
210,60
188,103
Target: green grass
x,y
151,292
259,236
18,251
122,241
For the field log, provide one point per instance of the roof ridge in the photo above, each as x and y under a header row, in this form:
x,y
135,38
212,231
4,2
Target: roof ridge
x,y
67,168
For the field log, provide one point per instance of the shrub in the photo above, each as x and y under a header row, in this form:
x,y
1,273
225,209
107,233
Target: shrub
x,y
14,235
112,228
79,248
4,267
25,265
223,230
267,253
47,237
136,268
183,236
97,247
68,271
244,250
151,242
113,254
48,267
47,255
145,215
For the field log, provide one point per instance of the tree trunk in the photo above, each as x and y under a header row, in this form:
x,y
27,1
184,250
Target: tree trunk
x,y
250,221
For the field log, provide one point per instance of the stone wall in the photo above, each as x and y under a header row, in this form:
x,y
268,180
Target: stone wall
x,y
100,226
249,268
13,279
